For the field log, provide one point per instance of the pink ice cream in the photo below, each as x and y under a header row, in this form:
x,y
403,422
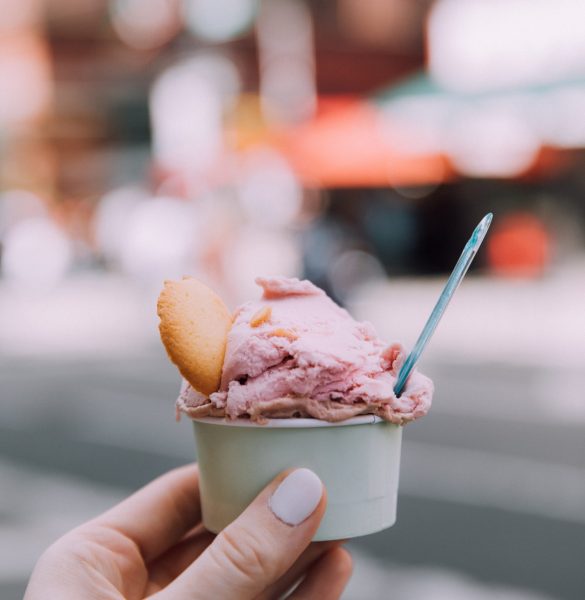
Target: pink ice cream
x,y
295,353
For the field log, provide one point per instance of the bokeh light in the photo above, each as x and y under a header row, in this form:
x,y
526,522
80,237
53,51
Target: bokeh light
x,y
476,45
254,252
559,116
519,246
186,114
25,77
145,24
161,240
219,20
286,55
187,104
415,125
18,205
352,270
36,253
113,218
268,189
486,141
220,71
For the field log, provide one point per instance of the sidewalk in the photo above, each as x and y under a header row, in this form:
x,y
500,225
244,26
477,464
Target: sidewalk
x,y
518,322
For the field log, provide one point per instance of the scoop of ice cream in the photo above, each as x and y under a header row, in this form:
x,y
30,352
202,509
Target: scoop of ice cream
x,y
295,352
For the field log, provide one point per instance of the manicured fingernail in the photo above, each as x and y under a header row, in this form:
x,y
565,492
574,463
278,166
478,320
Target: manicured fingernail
x,y
297,497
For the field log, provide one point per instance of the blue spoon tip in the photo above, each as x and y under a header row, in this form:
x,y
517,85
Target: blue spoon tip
x,y
481,230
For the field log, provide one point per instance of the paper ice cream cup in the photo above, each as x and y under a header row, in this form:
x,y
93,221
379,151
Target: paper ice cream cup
x,y
358,460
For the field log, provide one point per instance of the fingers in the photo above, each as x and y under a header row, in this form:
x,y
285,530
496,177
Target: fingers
x,y
305,560
174,561
261,545
327,578
160,514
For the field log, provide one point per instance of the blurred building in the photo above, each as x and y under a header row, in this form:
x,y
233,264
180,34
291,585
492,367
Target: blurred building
x,y
317,104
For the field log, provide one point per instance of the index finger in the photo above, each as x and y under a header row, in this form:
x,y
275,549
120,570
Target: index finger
x,y
160,514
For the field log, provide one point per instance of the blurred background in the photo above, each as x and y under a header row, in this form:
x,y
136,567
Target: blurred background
x,y
353,142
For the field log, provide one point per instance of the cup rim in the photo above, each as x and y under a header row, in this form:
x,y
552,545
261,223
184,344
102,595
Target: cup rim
x,y
290,423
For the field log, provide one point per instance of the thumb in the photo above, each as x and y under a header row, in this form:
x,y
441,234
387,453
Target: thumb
x,y
261,545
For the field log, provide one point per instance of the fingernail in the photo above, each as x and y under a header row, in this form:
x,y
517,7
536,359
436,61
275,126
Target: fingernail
x,y
297,497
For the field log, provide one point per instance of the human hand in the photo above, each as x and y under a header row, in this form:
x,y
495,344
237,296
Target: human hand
x,y
153,544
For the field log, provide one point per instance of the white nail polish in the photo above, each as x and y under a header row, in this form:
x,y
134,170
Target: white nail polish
x,y
297,497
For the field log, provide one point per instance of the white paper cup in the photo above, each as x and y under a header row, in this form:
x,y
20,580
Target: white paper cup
x,y
358,460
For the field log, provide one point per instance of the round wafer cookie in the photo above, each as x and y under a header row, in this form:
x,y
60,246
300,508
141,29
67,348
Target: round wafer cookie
x,y
194,323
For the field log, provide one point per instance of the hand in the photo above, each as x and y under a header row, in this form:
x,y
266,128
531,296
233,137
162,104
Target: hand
x,y
154,544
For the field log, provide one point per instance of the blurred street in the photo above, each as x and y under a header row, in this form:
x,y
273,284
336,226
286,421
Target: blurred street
x,y
353,143
492,483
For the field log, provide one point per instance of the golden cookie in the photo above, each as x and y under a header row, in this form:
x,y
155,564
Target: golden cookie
x,y
194,323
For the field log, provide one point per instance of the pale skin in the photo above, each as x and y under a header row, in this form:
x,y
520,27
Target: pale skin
x,y
153,545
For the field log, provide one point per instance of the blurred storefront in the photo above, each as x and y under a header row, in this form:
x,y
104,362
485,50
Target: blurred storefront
x,y
280,105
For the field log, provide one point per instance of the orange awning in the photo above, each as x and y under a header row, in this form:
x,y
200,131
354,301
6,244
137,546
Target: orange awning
x,y
344,146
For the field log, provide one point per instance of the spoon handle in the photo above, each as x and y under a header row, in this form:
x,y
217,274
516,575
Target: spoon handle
x,y
450,288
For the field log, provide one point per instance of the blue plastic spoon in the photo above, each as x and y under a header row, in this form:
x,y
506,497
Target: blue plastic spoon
x,y
451,286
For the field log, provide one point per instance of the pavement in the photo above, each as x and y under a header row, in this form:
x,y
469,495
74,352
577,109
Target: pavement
x,y
492,496
530,322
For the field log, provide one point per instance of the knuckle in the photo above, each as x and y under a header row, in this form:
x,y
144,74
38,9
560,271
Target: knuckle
x,y
243,551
